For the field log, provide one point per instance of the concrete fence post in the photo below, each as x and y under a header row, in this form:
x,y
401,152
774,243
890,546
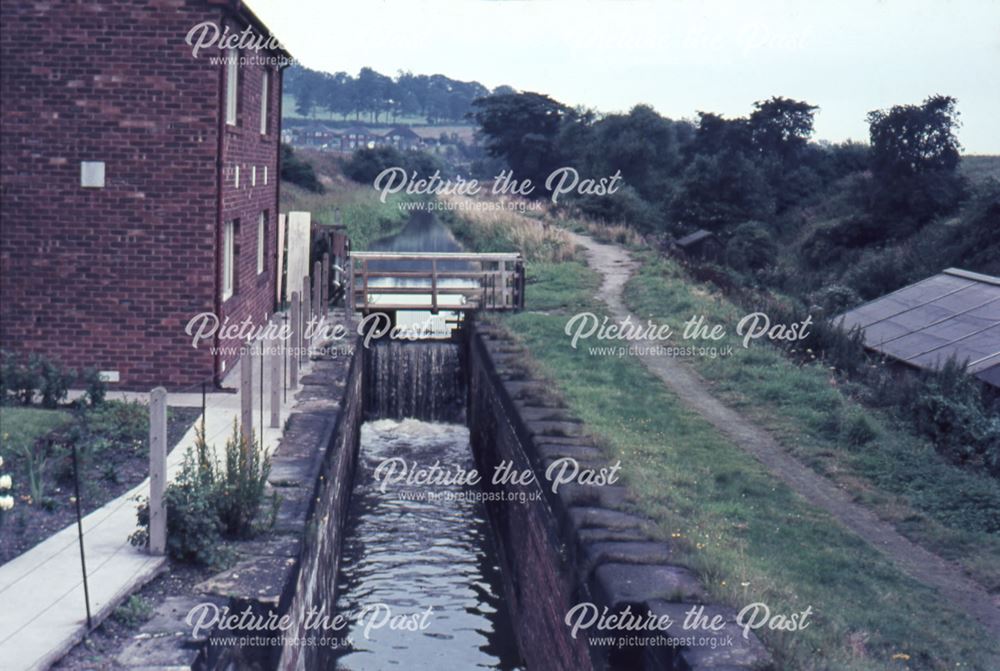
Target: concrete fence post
x,y
296,327
276,387
325,285
307,309
318,309
246,392
157,470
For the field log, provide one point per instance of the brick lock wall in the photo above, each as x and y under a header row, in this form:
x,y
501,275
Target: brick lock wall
x,y
108,277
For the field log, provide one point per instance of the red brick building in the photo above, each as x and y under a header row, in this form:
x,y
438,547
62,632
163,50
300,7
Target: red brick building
x,y
139,182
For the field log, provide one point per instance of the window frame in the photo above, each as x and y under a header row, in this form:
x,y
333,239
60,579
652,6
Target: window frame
x,y
233,87
262,242
229,259
264,95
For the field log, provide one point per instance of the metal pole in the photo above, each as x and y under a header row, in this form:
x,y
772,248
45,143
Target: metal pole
x,y
262,392
284,360
203,410
79,531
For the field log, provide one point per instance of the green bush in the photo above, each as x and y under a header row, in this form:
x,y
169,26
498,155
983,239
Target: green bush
x,y
133,612
241,485
859,429
835,298
952,411
55,383
126,423
750,247
96,390
297,171
208,502
20,380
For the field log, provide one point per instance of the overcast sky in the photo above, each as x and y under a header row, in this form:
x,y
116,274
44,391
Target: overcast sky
x,y
680,56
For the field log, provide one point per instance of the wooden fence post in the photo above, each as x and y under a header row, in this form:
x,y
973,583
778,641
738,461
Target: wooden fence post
x,y
157,470
246,392
276,386
293,361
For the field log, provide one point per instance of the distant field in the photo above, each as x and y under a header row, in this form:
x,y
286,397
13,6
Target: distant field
x,y
981,168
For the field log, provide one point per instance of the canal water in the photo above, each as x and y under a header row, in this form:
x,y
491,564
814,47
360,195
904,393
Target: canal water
x,y
416,549
409,548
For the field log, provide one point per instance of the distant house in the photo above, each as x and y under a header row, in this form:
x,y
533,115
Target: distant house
x,y
140,185
357,137
954,314
402,137
701,244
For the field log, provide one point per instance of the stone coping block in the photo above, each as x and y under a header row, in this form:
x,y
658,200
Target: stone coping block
x,y
624,584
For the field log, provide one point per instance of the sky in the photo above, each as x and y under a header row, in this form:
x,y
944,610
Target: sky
x,y
680,56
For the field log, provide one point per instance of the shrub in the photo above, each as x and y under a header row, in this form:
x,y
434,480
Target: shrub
x,y
126,423
835,298
20,380
133,612
952,411
364,165
96,390
242,484
859,429
750,247
297,171
55,382
208,502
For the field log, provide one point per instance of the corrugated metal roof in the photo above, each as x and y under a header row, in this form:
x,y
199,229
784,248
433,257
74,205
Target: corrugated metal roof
x,y
953,314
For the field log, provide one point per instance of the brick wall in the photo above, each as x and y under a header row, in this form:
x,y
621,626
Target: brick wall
x,y
255,154
108,277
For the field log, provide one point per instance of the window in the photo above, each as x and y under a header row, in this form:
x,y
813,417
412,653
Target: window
x,y
261,241
228,259
232,85
265,80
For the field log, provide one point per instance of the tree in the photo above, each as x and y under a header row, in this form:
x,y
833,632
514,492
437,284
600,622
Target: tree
x,y
915,156
910,140
523,128
781,126
718,191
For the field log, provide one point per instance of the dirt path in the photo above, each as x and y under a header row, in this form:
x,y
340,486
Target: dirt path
x,y
962,593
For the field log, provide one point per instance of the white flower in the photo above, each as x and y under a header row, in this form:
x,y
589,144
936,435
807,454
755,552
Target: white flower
x,y
6,502
1,462
5,482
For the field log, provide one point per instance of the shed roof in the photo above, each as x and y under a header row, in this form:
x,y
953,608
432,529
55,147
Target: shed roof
x,y
955,313
691,238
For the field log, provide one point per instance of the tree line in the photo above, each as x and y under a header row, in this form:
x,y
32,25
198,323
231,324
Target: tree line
x,y
376,97
715,172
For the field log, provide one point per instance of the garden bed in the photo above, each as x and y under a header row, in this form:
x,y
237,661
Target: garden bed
x,y
111,440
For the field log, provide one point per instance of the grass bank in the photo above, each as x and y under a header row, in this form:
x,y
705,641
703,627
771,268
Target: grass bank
x,y
367,218
953,511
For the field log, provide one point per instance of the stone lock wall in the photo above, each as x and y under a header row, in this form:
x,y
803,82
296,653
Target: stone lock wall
x,y
582,544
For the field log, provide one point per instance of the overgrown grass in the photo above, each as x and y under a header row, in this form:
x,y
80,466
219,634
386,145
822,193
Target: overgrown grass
x,y
953,511
367,219
480,225
748,535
